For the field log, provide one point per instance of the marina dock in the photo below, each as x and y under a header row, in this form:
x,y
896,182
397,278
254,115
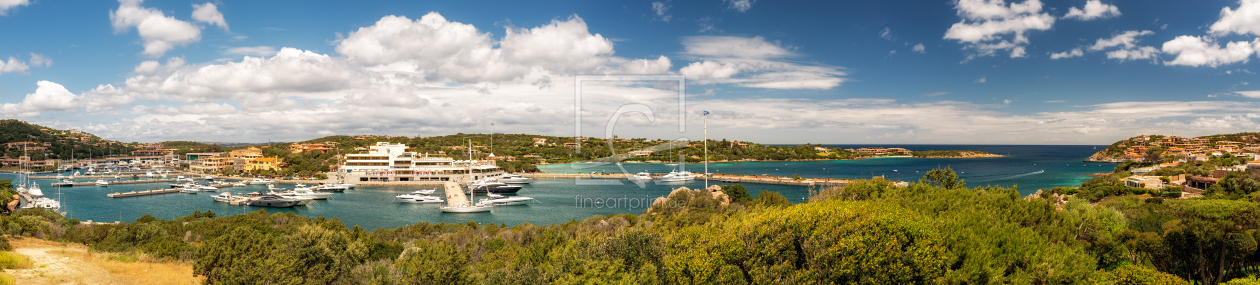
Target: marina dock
x,y
125,182
142,193
455,195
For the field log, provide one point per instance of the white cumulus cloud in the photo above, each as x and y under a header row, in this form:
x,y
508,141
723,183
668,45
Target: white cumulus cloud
x,y
752,62
1127,39
13,66
989,26
1242,21
1094,9
39,59
159,32
208,13
919,48
48,96
1200,51
1076,52
6,5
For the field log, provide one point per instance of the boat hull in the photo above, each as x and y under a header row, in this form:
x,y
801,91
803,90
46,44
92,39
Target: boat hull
x,y
473,209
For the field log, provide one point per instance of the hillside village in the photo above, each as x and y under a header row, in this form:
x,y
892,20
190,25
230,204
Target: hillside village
x,y
1172,166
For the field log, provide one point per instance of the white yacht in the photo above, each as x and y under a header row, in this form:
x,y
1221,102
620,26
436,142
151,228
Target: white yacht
x,y
330,188
189,190
420,197
45,203
678,176
224,197
34,191
259,181
515,179
63,183
347,185
306,193
208,178
102,182
500,200
239,184
207,188
413,197
641,176
182,178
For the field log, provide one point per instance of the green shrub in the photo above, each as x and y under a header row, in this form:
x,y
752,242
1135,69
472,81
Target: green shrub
x,y
13,260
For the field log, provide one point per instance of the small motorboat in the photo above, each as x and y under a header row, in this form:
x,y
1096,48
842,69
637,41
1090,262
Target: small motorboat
x,y
207,188
101,182
641,176
256,181
189,190
63,183
224,197
347,185
239,184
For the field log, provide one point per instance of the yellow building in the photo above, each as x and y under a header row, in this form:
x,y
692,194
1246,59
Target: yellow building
x,y
265,163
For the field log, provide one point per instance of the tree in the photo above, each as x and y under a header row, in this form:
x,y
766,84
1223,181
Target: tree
x,y
771,199
737,193
943,177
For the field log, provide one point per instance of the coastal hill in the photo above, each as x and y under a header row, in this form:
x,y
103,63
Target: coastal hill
x,y
1158,147
18,138
954,154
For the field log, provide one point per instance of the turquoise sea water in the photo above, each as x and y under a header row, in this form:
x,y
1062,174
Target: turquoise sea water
x,y
562,200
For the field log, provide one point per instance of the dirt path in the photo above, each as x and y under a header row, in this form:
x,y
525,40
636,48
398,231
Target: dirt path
x,y
57,263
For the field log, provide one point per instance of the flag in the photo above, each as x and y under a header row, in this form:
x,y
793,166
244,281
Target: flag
x,y
706,113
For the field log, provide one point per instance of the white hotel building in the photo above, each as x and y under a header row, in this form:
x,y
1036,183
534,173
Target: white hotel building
x,y
386,162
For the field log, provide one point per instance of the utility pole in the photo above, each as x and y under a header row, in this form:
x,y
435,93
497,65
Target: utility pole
x,y
705,120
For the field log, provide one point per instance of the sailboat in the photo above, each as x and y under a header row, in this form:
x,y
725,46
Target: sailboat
x,y
671,153
467,206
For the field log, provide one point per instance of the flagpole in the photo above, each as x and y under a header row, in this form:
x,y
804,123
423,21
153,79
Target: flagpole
x,y
705,119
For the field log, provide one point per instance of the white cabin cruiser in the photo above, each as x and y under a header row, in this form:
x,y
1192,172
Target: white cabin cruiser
x,y
259,181
224,197
101,182
63,183
34,191
641,176
189,190
515,179
305,193
208,188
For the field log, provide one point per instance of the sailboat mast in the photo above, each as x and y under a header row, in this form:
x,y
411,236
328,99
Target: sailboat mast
x,y
705,120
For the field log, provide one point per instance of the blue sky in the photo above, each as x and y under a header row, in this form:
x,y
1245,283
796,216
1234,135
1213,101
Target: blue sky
x,y
967,72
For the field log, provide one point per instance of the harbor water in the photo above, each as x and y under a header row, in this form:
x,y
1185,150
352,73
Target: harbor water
x,y
563,200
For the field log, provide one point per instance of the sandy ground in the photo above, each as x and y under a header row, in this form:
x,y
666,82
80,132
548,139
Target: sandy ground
x,y
57,263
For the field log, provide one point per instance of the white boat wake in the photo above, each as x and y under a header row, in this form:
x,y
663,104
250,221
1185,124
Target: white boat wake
x,y
1012,176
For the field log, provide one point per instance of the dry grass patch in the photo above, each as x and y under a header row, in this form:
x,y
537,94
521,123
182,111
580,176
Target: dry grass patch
x,y
58,263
